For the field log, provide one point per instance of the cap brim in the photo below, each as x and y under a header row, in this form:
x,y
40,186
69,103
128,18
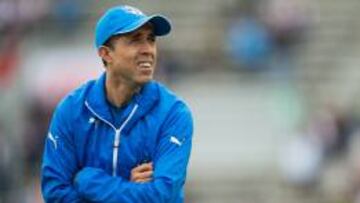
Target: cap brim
x,y
162,25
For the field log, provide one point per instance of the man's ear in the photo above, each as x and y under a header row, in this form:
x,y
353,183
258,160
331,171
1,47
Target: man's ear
x,y
104,53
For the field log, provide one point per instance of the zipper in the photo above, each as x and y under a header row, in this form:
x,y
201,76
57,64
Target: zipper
x,y
117,134
117,139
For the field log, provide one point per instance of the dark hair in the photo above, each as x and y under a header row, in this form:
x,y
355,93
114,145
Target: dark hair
x,y
110,44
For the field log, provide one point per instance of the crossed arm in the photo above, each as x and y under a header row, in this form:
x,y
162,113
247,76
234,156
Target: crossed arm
x,y
142,173
160,181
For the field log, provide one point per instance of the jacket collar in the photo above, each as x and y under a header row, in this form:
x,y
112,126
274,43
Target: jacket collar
x,y
96,98
146,98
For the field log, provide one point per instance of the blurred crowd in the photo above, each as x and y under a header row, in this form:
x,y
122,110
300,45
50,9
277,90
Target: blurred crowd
x,y
262,35
20,149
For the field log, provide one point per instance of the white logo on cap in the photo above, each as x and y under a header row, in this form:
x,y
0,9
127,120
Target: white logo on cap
x,y
133,10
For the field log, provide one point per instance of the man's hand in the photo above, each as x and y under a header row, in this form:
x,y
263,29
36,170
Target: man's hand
x,y
142,173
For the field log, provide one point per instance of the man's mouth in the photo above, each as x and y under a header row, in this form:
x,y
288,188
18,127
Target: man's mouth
x,y
145,64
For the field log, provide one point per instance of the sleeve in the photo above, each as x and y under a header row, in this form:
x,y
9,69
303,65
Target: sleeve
x,y
170,165
59,164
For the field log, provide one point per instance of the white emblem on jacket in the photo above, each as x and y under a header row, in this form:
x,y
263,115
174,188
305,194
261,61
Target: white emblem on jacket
x,y
52,139
175,141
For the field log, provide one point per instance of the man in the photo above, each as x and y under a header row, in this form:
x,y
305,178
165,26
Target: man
x,y
124,137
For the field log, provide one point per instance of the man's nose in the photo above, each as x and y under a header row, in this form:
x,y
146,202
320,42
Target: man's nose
x,y
147,47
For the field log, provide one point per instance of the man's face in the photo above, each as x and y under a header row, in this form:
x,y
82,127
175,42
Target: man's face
x,y
133,57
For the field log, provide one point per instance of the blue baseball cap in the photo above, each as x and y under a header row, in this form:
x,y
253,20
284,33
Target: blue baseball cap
x,y
124,19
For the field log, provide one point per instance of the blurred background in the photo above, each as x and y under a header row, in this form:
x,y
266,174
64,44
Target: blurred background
x,y
273,85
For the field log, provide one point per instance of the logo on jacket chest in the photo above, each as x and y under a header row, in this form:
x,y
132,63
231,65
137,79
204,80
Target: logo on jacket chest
x,y
93,121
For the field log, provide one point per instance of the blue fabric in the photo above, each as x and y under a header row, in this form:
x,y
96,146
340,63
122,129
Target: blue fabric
x,y
77,161
119,114
124,19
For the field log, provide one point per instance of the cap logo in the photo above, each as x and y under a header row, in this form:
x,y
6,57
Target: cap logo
x,y
133,10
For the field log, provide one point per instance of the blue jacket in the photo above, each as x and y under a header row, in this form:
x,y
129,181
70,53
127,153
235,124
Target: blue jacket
x,y
87,158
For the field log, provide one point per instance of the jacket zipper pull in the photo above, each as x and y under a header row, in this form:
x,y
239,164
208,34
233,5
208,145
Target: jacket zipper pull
x,y
116,150
117,138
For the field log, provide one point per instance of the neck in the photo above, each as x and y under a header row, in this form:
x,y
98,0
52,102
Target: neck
x,y
119,92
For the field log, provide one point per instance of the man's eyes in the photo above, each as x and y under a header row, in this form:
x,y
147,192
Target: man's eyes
x,y
139,39
132,40
152,38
